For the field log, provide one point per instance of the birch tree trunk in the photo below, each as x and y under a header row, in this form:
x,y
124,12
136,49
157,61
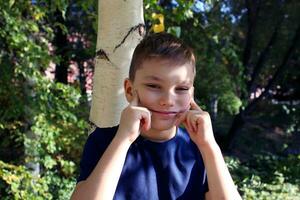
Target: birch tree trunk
x,y
120,28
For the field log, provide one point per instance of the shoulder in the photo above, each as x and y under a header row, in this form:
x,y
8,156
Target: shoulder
x,y
99,140
95,146
102,135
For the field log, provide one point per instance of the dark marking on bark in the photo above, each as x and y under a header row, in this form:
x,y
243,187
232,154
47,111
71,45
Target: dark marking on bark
x,y
101,54
92,127
141,29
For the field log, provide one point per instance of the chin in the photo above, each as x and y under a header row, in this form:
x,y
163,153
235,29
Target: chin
x,y
162,126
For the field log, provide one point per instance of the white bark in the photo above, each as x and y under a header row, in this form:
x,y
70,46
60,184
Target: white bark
x,y
118,22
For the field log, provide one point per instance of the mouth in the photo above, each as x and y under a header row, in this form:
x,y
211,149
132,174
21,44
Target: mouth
x,y
165,113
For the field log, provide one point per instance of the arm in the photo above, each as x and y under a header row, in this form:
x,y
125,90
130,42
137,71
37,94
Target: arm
x,y
102,182
220,183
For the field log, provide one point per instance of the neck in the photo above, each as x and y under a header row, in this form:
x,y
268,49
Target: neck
x,y
159,135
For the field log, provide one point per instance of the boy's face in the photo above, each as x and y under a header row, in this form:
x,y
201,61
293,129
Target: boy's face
x,y
165,89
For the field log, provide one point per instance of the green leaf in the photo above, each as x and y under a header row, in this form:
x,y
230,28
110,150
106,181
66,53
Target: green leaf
x,y
175,30
11,3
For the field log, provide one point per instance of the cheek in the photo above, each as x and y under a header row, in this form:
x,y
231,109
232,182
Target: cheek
x,y
147,98
185,101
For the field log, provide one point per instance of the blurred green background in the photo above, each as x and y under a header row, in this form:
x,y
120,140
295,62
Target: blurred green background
x,y
248,69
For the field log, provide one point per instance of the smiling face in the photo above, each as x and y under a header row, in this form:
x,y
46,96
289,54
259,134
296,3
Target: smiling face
x,y
166,90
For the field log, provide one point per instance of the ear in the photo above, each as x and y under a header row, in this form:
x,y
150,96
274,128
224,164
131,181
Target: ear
x,y
128,88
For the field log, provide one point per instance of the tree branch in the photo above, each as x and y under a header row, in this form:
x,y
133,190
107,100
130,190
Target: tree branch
x,y
279,70
262,58
252,18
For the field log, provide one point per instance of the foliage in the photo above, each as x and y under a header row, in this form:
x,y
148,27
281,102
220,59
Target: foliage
x,y
267,176
20,184
40,119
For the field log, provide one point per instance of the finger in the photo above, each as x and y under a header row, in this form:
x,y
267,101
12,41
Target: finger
x,y
189,121
135,98
194,105
145,121
194,124
187,127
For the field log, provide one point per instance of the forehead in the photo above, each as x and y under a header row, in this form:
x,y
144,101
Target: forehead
x,y
166,70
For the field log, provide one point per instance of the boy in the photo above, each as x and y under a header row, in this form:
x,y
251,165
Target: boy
x,y
148,156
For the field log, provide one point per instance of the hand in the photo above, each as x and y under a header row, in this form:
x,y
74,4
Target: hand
x,y
198,124
134,119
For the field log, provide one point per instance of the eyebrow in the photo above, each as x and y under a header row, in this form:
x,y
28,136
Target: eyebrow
x,y
155,78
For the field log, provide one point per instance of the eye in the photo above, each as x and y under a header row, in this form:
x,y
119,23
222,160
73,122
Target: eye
x,y
152,86
182,89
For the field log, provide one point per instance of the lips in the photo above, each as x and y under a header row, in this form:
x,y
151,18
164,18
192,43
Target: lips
x,y
165,114
169,112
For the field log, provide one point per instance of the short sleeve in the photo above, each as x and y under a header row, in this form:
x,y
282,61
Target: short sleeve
x,y
94,148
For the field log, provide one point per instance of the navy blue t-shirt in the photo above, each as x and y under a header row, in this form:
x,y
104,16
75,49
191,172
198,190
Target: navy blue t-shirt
x,y
167,170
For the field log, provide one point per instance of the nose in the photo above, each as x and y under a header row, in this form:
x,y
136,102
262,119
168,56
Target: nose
x,y
167,99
